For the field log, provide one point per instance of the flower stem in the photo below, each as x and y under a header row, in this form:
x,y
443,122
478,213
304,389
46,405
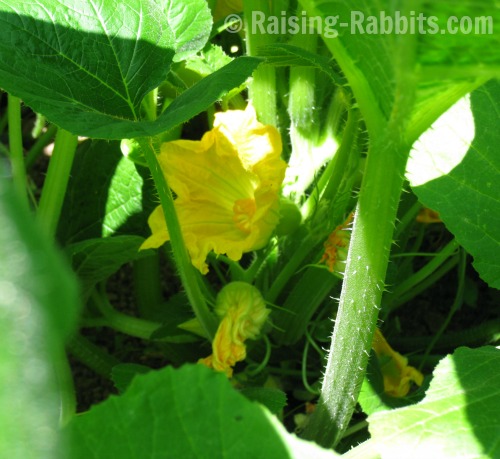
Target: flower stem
x,y
92,356
290,269
422,286
412,281
16,147
56,182
457,303
181,257
66,388
123,323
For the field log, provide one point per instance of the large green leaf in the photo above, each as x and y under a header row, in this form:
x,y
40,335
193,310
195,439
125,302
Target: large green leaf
x,y
459,179
38,309
84,58
87,65
189,413
458,418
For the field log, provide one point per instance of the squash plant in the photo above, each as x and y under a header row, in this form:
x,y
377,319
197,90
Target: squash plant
x,y
282,194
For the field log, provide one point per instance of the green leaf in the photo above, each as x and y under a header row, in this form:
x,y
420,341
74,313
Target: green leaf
x,y
459,417
191,22
87,66
38,311
94,260
211,59
273,399
107,195
81,60
454,169
203,94
189,413
123,374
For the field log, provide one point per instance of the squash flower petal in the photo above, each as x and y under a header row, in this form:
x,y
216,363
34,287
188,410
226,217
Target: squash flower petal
x,y
396,372
227,186
243,312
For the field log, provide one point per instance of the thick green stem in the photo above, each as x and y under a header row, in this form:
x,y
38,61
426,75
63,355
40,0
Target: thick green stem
x,y
362,290
369,249
16,147
358,81
344,160
186,270
341,165
56,182
306,158
262,89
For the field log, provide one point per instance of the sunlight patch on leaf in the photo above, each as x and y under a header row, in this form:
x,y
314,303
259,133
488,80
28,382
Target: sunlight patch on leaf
x,y
443,146
459,416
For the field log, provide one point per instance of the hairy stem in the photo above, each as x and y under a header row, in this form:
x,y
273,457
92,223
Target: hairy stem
x,y
361,293
186,270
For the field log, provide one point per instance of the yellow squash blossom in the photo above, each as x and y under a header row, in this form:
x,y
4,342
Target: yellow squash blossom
x,y
396,372
243,313
227,186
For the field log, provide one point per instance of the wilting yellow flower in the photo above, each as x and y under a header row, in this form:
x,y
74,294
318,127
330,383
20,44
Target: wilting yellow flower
x,y
227,186
396,372
427,215
243,312
336,246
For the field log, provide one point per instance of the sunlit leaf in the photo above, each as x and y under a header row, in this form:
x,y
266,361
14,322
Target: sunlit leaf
x,y
189,413
457,175
459,417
